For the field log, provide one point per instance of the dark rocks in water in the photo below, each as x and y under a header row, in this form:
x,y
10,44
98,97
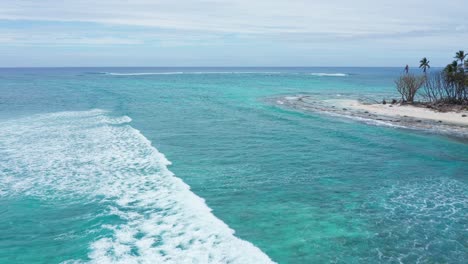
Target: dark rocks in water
x,y
394,101
366,112
419,121
463,115
390,105
384,102
440,121
345,109
428,106
405,116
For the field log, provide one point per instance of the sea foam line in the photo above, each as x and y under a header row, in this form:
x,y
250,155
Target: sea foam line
x,y
180,73
90,155
318,74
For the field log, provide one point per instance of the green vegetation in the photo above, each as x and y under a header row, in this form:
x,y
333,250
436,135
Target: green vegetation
x,y
442,88
424,64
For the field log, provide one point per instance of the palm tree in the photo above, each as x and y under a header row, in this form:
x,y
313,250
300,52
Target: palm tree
x,y
449,69
453,67
460,56
424,64
449,72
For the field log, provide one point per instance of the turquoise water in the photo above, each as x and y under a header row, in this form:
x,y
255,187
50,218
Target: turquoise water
x,y
85,173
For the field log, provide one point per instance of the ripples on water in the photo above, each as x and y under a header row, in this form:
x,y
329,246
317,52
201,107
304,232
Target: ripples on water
x,y
95,158
299,186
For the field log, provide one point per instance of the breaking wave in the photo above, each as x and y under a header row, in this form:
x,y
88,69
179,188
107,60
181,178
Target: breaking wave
x,y
93,156
224,72
329,74
181,73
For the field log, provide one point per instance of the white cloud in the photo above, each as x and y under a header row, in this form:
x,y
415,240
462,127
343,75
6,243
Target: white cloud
x,y
243,32
65,41
338,17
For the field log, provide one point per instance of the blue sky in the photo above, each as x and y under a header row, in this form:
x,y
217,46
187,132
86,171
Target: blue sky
x,y
231,33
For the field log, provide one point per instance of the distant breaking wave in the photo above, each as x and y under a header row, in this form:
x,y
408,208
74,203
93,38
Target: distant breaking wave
x,y
140,73
329,74
102,159
240,73
180,73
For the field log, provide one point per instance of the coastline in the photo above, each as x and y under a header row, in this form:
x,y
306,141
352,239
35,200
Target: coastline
x,y
451,123
411,111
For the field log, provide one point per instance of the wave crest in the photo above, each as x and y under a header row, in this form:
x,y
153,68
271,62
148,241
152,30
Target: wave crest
x,y
329,74
93,156
225,73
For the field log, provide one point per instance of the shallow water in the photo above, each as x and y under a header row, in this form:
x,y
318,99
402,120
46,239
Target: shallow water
x,y
316,104
79,180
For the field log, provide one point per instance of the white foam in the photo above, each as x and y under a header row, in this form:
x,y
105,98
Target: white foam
x,y
90,155
422,212
141,73
180,73
321,74
239,72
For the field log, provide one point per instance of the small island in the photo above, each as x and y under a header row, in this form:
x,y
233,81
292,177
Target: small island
x,y
436,102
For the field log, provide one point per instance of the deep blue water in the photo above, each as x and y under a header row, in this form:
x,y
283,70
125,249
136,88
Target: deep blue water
x,y
79,180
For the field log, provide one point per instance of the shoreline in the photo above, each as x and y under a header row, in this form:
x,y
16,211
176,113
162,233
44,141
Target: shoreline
x,y
399,111
451,123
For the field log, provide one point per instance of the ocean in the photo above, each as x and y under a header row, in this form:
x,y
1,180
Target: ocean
x,y
199,165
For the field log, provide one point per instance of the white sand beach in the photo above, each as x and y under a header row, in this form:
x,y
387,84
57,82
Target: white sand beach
x,y
396,110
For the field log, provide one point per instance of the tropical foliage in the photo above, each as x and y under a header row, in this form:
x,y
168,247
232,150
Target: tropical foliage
x,y
424,64
449,86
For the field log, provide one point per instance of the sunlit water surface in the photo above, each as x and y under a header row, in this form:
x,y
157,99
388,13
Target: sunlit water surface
x,y
85,172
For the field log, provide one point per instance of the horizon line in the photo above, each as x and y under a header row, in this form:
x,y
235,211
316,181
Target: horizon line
x,y
56,67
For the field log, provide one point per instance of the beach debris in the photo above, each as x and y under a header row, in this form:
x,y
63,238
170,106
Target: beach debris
x,y
384,102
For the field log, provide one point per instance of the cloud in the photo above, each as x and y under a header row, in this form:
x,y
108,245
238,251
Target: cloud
x,y
257,32
63,40
336,17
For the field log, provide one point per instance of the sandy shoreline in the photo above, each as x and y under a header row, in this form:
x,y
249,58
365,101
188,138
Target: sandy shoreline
x,y
401,116
398,111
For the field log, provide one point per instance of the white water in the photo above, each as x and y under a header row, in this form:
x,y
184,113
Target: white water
x,y
93,156
179,73
141,73
240,72
320,74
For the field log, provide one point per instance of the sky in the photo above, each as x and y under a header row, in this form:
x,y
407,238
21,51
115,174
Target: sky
x,y
55,33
